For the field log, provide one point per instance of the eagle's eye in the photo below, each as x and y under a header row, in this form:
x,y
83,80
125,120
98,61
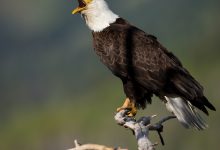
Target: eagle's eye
x,y
82,3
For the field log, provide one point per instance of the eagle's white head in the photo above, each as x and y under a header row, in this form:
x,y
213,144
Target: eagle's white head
x,y
96,13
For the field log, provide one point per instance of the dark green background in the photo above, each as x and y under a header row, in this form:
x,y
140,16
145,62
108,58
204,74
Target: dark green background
x,y
53,88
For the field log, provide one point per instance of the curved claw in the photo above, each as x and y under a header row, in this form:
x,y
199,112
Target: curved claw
x,y
129,105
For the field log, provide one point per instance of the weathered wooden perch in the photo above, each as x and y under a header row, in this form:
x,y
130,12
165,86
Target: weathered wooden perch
x,y
139,127
92,147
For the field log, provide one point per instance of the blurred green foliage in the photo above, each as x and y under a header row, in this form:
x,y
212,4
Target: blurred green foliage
x,y
53,89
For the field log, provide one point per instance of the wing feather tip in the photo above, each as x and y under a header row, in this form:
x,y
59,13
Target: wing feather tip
x,y
185,113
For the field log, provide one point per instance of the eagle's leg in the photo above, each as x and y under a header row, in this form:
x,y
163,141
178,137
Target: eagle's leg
x,y
130,105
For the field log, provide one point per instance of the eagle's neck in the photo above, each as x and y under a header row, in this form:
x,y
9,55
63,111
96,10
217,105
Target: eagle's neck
x,y
98,16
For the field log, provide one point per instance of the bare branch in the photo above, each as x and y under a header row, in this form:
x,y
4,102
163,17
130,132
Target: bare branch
x,y
92,147
141,128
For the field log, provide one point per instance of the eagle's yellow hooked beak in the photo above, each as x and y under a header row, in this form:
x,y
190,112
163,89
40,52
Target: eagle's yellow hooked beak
x,y
78,10
82,6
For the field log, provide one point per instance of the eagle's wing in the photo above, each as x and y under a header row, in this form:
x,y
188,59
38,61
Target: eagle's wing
x,y
140,57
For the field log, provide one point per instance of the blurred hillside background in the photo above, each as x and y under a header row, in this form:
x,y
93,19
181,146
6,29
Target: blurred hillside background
x,y
53,88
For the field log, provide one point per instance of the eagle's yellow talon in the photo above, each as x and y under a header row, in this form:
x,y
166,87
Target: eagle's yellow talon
x,y
130,105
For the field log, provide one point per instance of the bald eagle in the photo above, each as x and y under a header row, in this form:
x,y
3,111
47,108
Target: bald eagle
x,y
145,67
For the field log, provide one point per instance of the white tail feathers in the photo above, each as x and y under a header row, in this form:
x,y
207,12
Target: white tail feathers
x,y
185,113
